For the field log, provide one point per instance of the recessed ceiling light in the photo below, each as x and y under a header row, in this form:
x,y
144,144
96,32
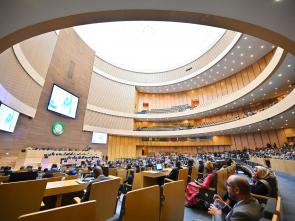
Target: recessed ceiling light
x,y
262,46
232,53
191,79
273,46
264,94
225,59
286,120
261,89
280,74
218,65
293,112
241,54
211,69
233,61
252,95
289,65
245,38
224,67
232,69
202,79
223,75
217,72
252,55
288,81
205,73
250,46
276,88
270,83
242,63
281,117
243,99
238,46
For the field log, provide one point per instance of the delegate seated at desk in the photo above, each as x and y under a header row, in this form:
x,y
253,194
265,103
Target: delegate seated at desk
x,y
173,175
98,176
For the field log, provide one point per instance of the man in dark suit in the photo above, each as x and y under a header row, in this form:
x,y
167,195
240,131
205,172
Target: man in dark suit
x,y
247,208
98,175
173,175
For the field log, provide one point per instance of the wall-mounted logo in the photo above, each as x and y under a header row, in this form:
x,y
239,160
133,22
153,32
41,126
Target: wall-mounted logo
x,y
58,128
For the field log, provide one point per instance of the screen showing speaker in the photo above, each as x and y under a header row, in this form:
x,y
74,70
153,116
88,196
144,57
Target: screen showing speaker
x,y
8,118
63,102
99,138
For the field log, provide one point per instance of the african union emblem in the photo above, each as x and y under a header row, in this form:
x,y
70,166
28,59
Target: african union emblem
x,y
58,128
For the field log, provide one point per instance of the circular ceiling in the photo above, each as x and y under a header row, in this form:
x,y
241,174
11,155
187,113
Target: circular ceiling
x,y
149,46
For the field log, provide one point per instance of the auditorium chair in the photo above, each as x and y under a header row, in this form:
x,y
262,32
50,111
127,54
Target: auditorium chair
x,y
83,211
137,182
113,171
18,198
194,174
105,193
172,206
71,177
183,175
142,204
122,173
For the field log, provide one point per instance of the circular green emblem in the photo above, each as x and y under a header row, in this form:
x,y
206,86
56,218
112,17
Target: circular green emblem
x,y
58,128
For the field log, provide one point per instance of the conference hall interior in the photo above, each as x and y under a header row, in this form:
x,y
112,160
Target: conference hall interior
x,y
152,111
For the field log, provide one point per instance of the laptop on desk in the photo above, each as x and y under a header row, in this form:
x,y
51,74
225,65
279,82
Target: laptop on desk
x,y
159,167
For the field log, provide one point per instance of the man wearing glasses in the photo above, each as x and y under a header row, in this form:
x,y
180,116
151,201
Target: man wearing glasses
x,y
247,208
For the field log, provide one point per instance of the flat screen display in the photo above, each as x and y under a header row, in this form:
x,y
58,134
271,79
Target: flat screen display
x,y
63,102
99,138
8,118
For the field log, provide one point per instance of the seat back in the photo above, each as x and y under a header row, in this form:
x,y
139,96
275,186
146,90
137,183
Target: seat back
x,y
71,177
53,179
77,212
105,193
195,171
182,175
137,181
172,206
273,182
20,198
113,171
221,176
22,176
142,204
122,173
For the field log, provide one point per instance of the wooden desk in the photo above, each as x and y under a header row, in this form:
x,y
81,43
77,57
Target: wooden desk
x,y
59,188
150,177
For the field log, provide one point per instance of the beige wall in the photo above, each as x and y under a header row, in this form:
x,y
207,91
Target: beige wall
x,y
111,95
38,51
96,119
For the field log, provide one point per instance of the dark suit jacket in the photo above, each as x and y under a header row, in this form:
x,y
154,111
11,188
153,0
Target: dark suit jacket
x,y
87,193
173,175
245,210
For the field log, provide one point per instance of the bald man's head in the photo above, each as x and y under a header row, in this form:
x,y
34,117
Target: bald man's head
x,y
238,186
97,171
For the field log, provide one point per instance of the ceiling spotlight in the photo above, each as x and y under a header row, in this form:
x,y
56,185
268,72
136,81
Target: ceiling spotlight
x,y
233,61
252,55
232,69
217,72
250,46
218,65
276,88
245,38
242,63
225,60
281,117
232,53
262,46
252,95
261,89
224,67
211,69
238,46
241,54
293,112
280,74
289,65
270,83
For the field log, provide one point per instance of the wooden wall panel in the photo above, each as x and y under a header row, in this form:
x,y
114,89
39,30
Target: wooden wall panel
x,y
207,93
